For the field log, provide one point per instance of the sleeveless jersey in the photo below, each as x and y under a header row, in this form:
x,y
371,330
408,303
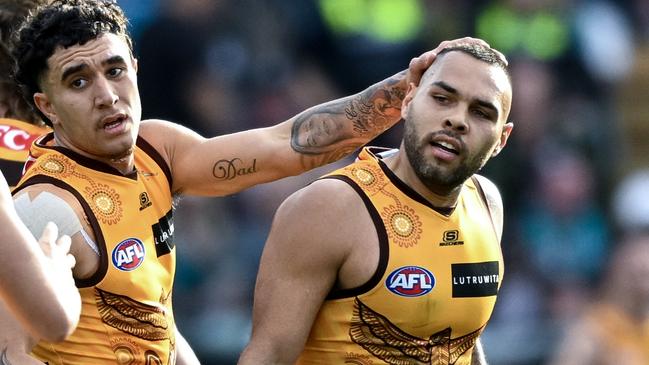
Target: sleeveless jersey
x,y
435,286
126,315
16,137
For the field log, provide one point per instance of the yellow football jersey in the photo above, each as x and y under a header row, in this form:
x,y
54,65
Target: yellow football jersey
x,y
435,286
126,313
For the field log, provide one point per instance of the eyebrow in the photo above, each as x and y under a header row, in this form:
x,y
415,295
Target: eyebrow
x,y
77,68
72,70
482,103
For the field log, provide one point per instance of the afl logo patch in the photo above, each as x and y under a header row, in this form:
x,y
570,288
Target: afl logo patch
x,y
410,281
128,254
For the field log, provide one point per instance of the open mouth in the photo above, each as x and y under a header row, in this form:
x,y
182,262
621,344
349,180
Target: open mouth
x,y
446,147
114,122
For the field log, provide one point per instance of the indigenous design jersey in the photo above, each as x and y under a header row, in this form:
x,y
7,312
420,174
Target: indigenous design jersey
x,y
126,313
15,139
435,286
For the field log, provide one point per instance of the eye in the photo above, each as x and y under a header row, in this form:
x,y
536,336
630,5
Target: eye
x,y
481,114
441,99
115,72
79,83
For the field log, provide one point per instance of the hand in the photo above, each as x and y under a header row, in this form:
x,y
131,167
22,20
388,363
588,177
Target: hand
x,y
57,250
419,65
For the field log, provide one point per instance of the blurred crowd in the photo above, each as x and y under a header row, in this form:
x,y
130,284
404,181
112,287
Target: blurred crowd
x,y
574,176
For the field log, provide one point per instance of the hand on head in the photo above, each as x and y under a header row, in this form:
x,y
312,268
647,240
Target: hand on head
x,y
420,64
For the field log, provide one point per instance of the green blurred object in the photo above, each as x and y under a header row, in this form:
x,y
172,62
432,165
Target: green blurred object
x,y
387,21
541,35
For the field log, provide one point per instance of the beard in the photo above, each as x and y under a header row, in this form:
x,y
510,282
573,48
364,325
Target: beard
x,y
435,177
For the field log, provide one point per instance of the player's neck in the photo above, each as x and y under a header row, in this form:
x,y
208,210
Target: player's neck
x,y
123,164
401,167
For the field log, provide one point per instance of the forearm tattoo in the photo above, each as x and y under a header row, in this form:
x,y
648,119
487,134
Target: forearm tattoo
x,y
335,129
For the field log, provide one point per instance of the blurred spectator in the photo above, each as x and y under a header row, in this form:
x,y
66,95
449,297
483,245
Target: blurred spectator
x,y
195,73
562,225
614,329
630,202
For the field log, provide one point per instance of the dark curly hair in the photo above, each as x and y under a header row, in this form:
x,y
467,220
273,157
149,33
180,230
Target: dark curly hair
x,y
63,23
12,12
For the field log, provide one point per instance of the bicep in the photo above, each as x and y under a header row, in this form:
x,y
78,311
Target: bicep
x,y
298,268
225,164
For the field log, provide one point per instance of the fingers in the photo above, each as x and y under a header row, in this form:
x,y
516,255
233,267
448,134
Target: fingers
x,y
54,247
64,243
48,238
418,65
70,260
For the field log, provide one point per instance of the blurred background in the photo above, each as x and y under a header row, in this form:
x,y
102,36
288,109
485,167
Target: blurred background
x,y
573,176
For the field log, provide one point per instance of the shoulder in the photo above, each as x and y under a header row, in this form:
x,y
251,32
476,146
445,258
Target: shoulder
x,y
159,129
39,203
492,194
320,224
493,200
153,130
324,198
331,210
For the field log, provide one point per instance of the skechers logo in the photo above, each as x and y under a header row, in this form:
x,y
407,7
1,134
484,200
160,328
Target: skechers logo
x,y
451,238
145,202
475,280
410,281
128,255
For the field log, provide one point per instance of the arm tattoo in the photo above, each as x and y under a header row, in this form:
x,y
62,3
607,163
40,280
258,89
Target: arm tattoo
x,y
230,169
339,127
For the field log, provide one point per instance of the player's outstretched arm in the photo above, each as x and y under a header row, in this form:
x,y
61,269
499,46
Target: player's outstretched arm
x,y
315,137
15,342
36,283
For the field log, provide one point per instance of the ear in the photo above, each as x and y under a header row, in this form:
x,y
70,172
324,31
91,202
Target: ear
x,y
135,64
45,106
504,136
412,88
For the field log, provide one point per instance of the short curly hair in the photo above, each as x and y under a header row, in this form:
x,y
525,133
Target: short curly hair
x,y
63,23
12,13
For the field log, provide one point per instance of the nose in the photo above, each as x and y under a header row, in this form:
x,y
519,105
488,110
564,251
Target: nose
x,y
457,122
105,94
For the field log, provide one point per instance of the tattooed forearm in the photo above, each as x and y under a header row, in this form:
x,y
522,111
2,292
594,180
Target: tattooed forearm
x,y
230,169
349,122
378,107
